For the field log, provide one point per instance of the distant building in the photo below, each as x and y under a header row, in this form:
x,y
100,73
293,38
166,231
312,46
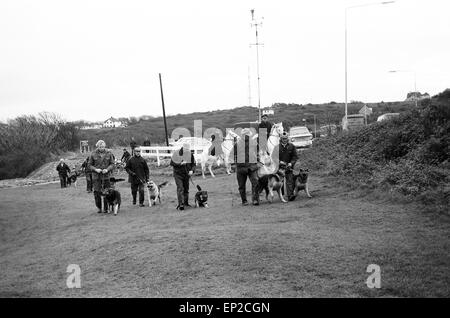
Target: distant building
x,y
412,96
94,126
353,121
112,123
365,110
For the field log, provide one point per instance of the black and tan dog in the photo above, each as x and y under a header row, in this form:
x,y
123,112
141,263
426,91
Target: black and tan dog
x,y
112,196
301,182
201,198
273,182
72,178
154,191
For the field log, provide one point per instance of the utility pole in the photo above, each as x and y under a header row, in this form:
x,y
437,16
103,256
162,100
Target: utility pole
x,y
255,24
163,108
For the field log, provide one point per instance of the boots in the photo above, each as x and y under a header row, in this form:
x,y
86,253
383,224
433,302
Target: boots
x,y
98,201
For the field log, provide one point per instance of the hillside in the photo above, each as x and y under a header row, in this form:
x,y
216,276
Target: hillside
x,y
407,157
289,114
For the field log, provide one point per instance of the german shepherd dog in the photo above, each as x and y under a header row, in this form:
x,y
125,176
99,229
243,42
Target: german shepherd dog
x,y
201,198
72,178
301,182
112,196
272,182
154,191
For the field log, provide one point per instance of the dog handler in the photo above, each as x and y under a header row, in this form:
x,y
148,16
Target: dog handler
x,y
183,164
285,153
101,163
63,171
138,175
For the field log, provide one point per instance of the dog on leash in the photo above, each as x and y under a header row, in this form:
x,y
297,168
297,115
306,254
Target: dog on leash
x,y
72,179
154,192
112,196
301,182
201,198
273,182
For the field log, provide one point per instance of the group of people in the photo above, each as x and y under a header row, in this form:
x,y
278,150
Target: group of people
x,y
99,165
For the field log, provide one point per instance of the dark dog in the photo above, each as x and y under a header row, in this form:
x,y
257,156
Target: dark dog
x,y
201,198
272,182
112,196
154,192
301,182
72,178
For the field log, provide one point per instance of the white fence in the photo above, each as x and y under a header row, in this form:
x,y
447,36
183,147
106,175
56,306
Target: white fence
x,y
166,152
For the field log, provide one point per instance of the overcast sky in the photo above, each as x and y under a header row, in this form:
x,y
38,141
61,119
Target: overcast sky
x,y
95,59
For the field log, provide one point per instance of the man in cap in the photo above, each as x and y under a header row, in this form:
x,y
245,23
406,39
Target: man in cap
x,y
183,164
138,175
101,163
63,171
286,154
246,165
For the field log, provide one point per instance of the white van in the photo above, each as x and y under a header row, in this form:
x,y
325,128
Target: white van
x,y
301,137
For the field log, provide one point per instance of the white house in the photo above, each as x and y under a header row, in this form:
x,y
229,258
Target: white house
x,y
112,123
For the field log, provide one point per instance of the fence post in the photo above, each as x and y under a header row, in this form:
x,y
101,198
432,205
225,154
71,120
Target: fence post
x,y
157,157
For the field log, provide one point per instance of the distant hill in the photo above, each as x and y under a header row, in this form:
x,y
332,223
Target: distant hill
x,y
289,114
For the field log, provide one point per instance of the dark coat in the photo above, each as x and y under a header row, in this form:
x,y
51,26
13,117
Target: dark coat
x,y
63,169
287,153
268,125
101,160
126,155
137,169
246,151
181,156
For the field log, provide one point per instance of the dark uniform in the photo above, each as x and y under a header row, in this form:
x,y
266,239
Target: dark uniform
x,y
88,174
138,175
126,156
63,171
100,181
287,154
246,166
182,162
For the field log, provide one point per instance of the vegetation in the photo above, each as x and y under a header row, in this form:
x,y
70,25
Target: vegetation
x,y
28,141
408,155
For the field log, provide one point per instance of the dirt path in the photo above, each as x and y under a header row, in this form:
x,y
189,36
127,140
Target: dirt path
x,y
306,248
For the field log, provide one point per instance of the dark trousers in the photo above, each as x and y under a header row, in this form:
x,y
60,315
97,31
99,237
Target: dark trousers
x,y
89,182
100,182
182,182
250,172
135,187
63,180
289,184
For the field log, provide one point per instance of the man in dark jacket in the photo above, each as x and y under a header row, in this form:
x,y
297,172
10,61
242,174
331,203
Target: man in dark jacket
x,y
285,153
101,163
88,173
126,155
183,164
138,175
63,171
246,165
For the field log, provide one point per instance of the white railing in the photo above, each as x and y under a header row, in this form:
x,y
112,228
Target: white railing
x,y
166,152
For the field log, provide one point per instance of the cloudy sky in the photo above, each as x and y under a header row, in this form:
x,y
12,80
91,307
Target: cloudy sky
x,y
92,59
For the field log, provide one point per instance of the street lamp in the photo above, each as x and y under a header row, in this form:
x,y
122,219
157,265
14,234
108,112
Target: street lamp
x,y
415,86
346,9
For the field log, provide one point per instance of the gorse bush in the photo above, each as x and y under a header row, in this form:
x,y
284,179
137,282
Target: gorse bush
x,y
409,154
27,142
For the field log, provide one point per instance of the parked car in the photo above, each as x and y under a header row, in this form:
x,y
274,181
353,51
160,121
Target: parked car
x,y
387,116
301,137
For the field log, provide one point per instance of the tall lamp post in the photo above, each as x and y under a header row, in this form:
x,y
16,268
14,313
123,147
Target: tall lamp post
x,y
255,23
346,9
415,81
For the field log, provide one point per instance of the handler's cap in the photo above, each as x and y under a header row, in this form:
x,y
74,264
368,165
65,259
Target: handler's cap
x,y
265,115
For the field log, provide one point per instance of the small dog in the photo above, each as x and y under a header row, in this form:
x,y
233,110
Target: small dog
x,y
301,182
154,192
112,196
201,198
272,182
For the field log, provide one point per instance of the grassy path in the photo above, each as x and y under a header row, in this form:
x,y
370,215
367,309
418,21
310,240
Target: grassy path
x,y
317,247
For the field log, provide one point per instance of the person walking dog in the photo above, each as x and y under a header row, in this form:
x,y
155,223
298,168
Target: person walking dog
x,y
63,172
183,164
138,175
101,163
88,173
285,153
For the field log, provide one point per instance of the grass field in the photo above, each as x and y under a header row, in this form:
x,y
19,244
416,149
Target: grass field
x,y
317,247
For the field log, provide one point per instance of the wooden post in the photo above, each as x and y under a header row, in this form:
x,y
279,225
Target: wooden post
x,y
164,110
157,157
